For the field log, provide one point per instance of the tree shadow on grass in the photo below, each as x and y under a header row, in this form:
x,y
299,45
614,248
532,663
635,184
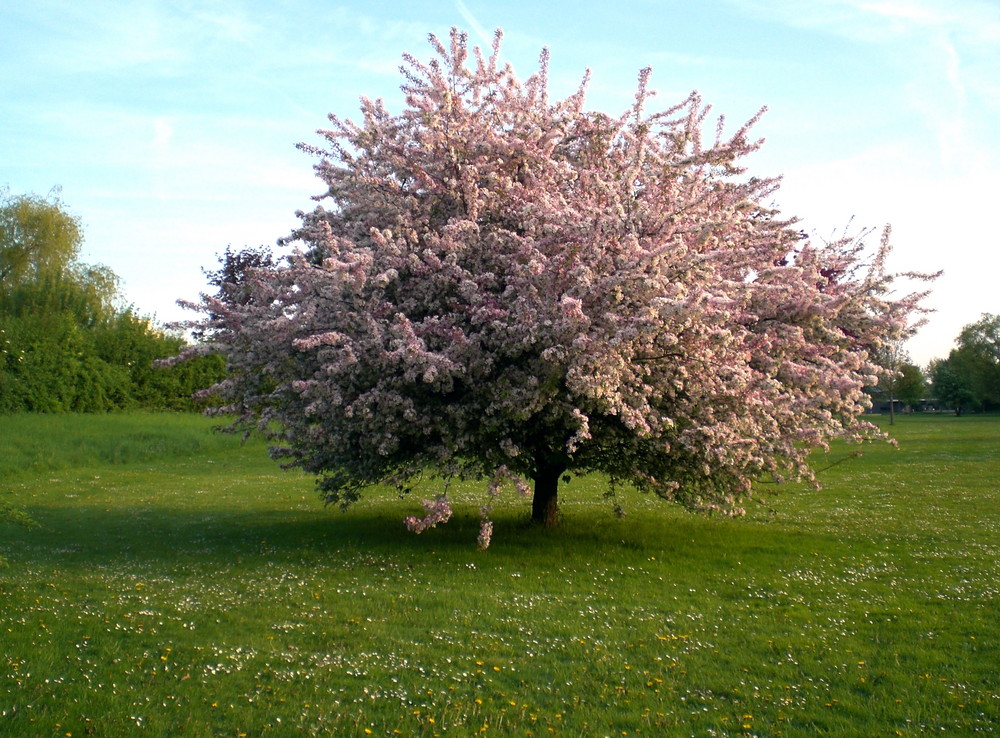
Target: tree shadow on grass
x,y
89,535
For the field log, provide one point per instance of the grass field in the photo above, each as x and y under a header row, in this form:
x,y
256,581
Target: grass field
x,y
179,583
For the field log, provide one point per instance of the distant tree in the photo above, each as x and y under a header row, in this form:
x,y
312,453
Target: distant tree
x,y
951,384
911,385
979,352
39,269
891,357
504,287
983,336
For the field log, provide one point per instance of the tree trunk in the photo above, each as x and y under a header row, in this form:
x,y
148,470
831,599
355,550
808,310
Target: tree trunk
x,y
545,502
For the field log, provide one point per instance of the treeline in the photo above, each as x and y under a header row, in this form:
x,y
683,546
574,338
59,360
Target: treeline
x,y
968,380
67,344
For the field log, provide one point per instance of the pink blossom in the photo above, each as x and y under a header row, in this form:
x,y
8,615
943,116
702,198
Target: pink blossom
x,y
438,511
485,535
500,286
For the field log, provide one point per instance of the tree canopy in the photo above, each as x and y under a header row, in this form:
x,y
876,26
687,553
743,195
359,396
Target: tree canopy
x,y
951,383
500,286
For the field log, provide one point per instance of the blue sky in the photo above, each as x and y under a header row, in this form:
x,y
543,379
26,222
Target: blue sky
x,y
170,125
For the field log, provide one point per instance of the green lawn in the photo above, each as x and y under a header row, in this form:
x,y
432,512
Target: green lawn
x,y
179,583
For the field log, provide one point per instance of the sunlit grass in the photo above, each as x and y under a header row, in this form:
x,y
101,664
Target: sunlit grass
x,y
199,590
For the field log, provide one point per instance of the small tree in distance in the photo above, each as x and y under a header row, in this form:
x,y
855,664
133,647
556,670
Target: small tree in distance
x,y
501,287
911,385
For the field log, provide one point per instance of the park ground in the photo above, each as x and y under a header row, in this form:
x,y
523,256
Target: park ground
x,y
179,582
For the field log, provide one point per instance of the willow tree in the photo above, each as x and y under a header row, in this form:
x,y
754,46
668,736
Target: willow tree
x,y
37,237
40,273
500,286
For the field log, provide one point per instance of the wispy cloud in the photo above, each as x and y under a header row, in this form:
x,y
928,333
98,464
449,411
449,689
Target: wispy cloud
x,y
883,20
945,54
477,28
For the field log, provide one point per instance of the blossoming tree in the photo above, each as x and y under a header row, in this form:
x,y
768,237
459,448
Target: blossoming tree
x,y
503,287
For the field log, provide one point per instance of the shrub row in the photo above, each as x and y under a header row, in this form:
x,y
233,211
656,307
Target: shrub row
x,y
51,363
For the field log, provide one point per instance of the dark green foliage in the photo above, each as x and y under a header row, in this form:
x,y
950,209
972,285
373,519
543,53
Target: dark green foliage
x,y
979,352
911,386
235,267
951,384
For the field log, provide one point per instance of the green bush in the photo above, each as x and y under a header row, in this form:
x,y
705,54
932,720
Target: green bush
x,y
51,364
66,344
